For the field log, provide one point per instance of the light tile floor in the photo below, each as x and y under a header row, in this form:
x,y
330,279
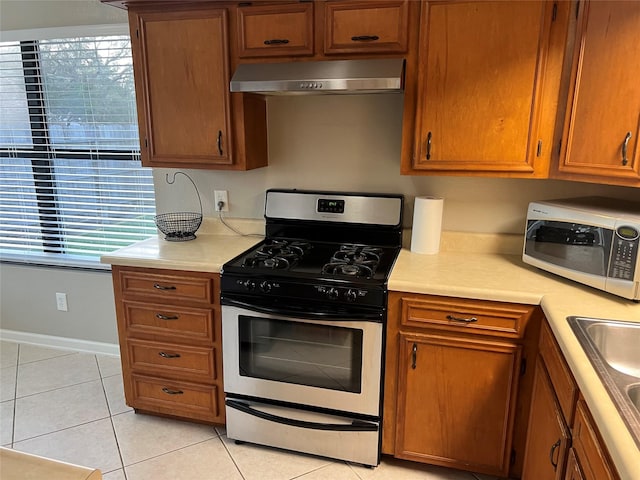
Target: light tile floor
x,y
70,406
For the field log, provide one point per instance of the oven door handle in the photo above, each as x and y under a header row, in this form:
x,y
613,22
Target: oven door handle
x,y
309,314
355,426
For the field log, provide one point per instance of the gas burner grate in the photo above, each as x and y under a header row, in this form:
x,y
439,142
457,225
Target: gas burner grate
x,y
277,255
354,260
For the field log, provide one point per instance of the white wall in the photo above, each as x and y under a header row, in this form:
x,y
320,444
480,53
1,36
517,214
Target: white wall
x,y
317,142
28,303
340,142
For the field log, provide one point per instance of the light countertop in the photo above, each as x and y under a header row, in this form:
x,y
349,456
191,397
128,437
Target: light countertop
x,y
207,253
468,266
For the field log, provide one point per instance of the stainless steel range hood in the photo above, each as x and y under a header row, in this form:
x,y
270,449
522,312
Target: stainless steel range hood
x,y
335,76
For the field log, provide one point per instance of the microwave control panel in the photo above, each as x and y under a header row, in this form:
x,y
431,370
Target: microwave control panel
x,y
625,253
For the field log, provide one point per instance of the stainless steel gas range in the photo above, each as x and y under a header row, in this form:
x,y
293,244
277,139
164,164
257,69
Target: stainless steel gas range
x,y
303,316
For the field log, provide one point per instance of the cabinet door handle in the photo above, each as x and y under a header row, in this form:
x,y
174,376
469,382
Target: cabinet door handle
x,y
276,41
552,451
169,355
157,286
365,38
167,317
451,318
429,146
625,144
414,355
168,391
219,142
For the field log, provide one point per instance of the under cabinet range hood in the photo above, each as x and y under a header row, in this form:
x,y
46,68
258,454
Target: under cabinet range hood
x,y
334,76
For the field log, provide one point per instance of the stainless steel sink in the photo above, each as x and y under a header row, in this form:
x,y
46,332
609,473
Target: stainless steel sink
x,y
634,395
613,347
618,344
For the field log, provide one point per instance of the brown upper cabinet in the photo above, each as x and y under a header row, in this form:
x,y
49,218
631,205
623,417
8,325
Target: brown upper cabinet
x,y
485,91
186,115
275,30
602,121
370,26
321,28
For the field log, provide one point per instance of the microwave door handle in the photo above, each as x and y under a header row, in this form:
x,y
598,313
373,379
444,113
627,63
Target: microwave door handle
x,y
355,426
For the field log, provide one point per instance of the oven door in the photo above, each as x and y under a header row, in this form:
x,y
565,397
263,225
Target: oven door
x,y
333,364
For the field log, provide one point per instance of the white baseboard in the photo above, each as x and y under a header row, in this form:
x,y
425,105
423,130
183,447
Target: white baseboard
x,y
51,341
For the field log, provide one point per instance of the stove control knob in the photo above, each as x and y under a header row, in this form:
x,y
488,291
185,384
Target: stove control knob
x,y
352,295
332,293
265,286
249,285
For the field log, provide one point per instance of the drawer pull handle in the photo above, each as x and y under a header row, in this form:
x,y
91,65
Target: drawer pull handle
x,y
365,38
276,41
414,355
552,451
157,286
167,317
625,145
460,319
169,355
168,391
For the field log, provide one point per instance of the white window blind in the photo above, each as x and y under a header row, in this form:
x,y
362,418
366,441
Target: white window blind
x,y
71,183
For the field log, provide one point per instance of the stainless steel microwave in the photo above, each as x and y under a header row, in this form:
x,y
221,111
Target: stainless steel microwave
x,y
591,240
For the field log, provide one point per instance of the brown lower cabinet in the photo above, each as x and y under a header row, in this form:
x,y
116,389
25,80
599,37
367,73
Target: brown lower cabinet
x,y
170,342
483,386
562,441
454,371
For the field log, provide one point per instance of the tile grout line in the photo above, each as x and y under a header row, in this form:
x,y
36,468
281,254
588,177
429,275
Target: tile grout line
x,y
113,427
231,456
54,389
15,398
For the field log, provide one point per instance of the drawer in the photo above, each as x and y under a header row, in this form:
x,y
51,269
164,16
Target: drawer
x,y
170,288
559,372
275,30
590,452
172,360
475,317
177,398
172,323
366,26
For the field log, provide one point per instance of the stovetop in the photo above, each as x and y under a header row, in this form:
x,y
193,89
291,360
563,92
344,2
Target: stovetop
x,y
320,246
321,260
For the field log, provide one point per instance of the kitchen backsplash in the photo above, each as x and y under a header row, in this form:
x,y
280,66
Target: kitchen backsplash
x,y
352,143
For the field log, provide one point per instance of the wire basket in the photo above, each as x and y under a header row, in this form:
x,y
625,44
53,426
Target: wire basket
x,y
180,226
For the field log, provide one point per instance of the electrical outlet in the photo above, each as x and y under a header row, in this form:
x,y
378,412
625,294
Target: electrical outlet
x,y
61,302
221,196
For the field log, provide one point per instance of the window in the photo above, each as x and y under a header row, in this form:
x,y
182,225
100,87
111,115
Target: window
x,y
71,183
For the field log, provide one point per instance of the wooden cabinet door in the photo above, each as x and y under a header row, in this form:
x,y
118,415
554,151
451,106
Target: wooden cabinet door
x,y
602,122
548,436
573,468
182,87
480,88
275,30
366,26
456,400
591,455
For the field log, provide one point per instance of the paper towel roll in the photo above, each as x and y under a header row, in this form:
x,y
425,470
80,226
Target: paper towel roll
x,y
427,225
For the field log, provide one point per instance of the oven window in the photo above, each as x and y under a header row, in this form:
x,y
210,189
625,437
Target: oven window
x,y
316,355
578,247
